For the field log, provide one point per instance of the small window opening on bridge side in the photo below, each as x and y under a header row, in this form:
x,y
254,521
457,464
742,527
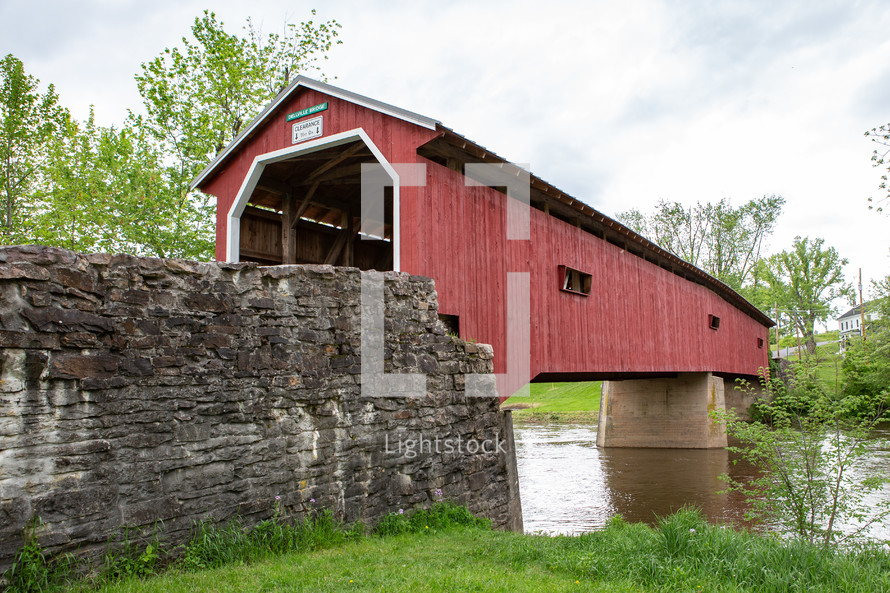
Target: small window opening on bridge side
x,y
760,343
713,321
574,281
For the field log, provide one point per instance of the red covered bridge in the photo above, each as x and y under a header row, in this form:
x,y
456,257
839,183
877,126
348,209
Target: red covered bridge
x,y
603,302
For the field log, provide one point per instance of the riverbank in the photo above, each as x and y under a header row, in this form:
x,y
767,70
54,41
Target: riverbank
x,y
557,402
683,553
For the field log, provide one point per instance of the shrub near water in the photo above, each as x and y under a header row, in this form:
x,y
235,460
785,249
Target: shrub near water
x,y
809,441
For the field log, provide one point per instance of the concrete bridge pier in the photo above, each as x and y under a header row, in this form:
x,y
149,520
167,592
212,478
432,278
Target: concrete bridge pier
x,y
663,412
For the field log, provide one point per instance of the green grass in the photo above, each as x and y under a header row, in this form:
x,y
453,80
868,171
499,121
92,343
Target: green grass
x,y
567,402
456,560
826,365
823,361
683,553
829,367
831,336
791,341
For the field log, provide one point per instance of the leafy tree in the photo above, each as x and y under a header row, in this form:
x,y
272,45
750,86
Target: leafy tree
x,y
723,240
804,281
198,98
106,191
89,188
807,442
73,208
85,187
158,221
675,227
881,136
867,362
28,122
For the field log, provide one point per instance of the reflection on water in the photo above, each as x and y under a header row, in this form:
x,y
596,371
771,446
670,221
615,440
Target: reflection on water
x,y
561,479
568,485
645,483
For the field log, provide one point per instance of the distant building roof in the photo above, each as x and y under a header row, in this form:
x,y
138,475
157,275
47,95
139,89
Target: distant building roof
x,y
857,310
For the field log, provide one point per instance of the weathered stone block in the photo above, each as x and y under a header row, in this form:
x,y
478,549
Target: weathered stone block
x,y
151,511
81,340
51,319
23,271
61,505
18,339
81,366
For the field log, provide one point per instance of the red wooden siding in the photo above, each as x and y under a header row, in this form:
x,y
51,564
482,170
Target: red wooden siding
x,y
638,317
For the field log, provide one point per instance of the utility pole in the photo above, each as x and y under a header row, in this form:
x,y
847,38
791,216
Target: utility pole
x,y
861,308
777,330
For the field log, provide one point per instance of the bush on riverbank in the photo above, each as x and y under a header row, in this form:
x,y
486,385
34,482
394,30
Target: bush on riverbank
x,y
866,364
810,438
446,549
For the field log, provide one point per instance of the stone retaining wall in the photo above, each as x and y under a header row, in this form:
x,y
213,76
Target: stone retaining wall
x,y
134,390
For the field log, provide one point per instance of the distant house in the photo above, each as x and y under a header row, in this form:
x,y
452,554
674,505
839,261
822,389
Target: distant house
x,y
850,322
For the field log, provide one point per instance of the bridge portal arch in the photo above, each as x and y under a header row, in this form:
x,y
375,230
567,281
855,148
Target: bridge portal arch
x,y
302,204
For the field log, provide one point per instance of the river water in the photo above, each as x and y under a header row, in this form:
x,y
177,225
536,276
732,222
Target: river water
x,y
568,485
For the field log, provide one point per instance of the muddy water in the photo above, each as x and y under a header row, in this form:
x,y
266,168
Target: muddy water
x,y
568,485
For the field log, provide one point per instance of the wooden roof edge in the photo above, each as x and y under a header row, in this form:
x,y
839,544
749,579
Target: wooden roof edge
x,y
322,87
719,287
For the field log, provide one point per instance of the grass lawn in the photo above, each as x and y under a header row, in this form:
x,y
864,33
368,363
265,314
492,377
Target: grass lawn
x,y
829,367
826,363
683,554
566,402
453,560
791,342
831,336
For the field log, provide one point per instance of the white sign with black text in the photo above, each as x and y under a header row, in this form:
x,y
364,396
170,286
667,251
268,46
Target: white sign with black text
x,y
304,130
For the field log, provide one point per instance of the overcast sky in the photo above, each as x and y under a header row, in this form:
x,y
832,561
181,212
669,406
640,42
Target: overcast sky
x,y
618,103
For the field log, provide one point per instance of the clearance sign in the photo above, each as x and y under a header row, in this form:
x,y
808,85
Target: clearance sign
x,y
310,128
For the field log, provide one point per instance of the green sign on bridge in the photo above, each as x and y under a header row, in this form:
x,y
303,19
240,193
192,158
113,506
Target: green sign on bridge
x,y
307,111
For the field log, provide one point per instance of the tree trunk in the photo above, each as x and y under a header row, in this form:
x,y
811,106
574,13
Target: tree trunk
x,y
811,344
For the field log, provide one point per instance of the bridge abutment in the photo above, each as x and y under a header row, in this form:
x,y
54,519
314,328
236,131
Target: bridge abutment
x,y
663,412
739,397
